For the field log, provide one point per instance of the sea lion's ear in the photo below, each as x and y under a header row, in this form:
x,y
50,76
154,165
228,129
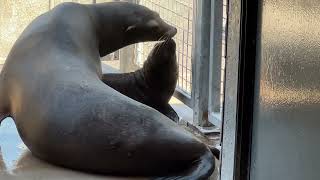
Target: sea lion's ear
x,y
130,28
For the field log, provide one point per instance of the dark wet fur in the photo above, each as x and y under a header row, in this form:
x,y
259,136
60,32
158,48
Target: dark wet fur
x,y
74,117
154,94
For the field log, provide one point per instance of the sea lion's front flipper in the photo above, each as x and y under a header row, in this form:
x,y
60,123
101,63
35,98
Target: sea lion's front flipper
x,y
200,169
168,111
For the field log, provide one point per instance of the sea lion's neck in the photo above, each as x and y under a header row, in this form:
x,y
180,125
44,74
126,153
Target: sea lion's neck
x,y
111,23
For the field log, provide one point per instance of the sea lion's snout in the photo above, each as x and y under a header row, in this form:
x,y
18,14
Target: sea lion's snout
x,y
165,50
161,28
171,45
172,32
169,31
165,47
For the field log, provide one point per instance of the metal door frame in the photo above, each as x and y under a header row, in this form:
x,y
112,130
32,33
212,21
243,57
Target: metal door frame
x,y
239,89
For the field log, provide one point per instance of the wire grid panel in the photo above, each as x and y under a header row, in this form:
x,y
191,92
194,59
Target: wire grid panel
x,y
178,13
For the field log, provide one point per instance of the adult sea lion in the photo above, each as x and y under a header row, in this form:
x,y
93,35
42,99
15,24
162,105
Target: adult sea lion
x,y
51,86
154,83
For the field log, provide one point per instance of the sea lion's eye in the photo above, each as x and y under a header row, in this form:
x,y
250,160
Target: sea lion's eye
x,y
153,24
154,28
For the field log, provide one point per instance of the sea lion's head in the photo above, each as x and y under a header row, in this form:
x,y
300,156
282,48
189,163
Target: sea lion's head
x,y
161,69
164,51
121,23
144,24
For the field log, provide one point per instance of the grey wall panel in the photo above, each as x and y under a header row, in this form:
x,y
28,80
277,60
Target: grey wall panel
x,y
286,123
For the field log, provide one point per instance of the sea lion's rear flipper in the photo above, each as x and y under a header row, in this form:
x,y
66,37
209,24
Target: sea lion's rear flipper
x,y
200,169
215,151
4,110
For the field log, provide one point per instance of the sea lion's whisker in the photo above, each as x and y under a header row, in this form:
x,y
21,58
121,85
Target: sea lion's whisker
x,y
161,38
158,46
165,39
157,49
165,42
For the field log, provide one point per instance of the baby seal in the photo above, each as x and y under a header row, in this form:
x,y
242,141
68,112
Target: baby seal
x,y
154,83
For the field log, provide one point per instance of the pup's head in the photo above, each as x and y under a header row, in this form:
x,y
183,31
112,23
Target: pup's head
x,y
161,70
164,51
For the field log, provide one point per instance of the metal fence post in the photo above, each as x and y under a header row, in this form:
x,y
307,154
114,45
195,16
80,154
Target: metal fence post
x,y
127,59
127,54
215,62
229,127
51,4
201,53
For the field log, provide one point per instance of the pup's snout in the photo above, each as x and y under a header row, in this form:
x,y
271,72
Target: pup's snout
x,y
172,32
171,44
166,47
